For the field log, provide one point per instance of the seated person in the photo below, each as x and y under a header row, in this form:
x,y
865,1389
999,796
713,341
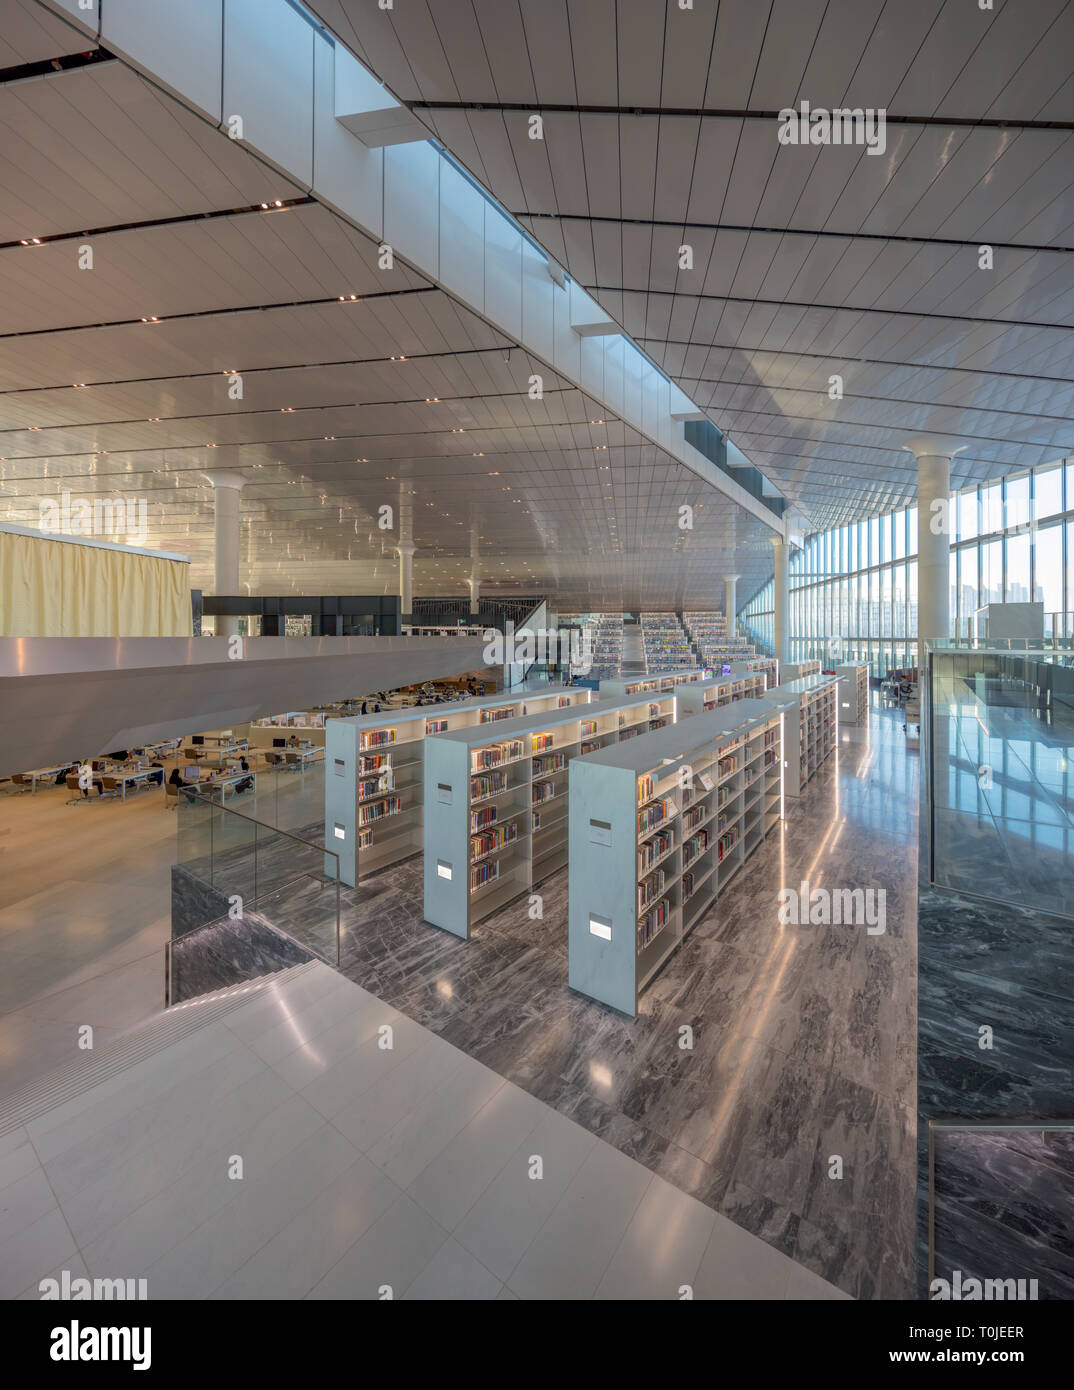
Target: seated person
x,y
158,775
176,779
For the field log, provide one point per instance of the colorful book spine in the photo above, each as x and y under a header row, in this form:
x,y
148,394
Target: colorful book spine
x,y
376,810
489,785
484,873
486,816
490,840
376,738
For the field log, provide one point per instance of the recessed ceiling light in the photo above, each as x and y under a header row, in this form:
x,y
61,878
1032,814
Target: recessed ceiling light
x,y
287,410
152,319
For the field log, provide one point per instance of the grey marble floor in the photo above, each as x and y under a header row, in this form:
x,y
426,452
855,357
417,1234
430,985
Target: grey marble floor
x,y
803,1037
1004,1206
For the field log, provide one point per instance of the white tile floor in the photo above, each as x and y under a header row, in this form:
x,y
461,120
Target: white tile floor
x,y
365,1169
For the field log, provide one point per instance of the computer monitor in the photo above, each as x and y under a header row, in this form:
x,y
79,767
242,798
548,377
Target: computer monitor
x,y
726,669
191,774
279,743
198,740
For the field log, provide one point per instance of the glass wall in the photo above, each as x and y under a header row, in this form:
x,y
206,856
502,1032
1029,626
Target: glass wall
x,y
854,589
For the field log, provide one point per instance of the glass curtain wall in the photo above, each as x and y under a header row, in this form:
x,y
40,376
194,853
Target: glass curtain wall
x,y
854,588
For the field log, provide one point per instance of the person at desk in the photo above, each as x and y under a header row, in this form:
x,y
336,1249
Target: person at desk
x,y
158,775
247,782
292,742
176,779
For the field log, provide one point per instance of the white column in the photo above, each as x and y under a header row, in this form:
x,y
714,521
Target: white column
x,y
730,600
475,594
406,576
934,454
782,601
227,488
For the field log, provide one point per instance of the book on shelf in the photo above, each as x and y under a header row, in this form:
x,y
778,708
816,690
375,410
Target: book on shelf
x,y
435,726
543,791
554,762
694,816
376,762
376,810
489,840
375,738
483,873
489,716
653,921
365,839
694,846
650,888
649,817
489,785
725,767
727,842
495,754
645,789
485,816
371,787
542,741
653,850
590,747
589,726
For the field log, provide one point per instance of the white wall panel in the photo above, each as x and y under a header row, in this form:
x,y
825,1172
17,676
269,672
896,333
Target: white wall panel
x,y
346,174
503,272
462,237
179,44
411,192
268,81
593,354
537,291
567,355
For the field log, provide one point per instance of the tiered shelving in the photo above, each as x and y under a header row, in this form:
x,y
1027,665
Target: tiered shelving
x,y
667,647
658,830
374,772
669,682
812,735
496,802
853,692
768,666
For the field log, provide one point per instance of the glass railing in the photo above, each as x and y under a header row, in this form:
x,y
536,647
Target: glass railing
x,y
233,950
998,726
230,860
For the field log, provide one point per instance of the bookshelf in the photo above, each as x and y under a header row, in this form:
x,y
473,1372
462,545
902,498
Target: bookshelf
x,y
666,645
652,849
853,692
768,666
496,802
811,736
666,683
719,692
374,771
795,670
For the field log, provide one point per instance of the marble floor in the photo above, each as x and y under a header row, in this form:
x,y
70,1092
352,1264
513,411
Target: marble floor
x,y
368,1171
1004,1206
803,1037
1004,794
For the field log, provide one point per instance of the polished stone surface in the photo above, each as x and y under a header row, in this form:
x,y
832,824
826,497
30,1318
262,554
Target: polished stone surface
x,y
226,953
1005,1207
803,1037
409,1166
1010,969
1003,789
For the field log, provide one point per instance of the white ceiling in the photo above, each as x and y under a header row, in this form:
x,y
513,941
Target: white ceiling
x,y
808,263
660,131
553,495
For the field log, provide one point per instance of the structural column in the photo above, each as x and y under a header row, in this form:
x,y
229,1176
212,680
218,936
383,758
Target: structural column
x,y
730,601
781,592
934,454
406,577
227,489
475,594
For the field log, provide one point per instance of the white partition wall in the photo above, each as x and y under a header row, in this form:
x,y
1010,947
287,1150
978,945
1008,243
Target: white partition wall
x,y
657,830
496,802
373,772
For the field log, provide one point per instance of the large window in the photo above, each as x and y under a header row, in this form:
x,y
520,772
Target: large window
x,y
859,582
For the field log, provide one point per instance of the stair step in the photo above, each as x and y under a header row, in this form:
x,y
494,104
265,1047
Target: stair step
x,y
37,1097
